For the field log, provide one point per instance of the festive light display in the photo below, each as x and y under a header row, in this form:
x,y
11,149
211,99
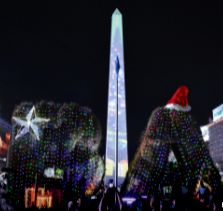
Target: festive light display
x,y
67,146
171,129
5,137
39,198
4,144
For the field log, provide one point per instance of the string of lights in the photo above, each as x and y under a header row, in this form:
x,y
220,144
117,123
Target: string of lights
x,y
177,131
62,151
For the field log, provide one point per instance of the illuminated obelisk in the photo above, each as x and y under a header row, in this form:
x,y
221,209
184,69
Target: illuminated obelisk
x,y
116,139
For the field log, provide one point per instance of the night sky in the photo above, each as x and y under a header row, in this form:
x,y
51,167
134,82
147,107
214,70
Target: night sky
x,y
60,52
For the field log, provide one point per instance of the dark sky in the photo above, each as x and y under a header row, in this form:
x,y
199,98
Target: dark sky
x,y
60,52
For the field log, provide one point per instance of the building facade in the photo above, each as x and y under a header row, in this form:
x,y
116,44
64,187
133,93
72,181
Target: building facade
x,y
213,134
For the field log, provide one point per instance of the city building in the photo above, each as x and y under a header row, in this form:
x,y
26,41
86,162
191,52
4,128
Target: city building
x,y
213,134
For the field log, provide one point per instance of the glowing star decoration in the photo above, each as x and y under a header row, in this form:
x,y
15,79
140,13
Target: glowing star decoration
x,y
30,124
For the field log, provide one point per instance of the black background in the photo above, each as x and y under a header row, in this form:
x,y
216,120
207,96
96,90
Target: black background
x,y
60,52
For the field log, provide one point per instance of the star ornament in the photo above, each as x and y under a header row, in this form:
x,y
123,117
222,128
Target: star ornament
x,y
30,124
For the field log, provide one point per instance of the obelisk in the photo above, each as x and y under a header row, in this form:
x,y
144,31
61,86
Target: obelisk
x,y
116,160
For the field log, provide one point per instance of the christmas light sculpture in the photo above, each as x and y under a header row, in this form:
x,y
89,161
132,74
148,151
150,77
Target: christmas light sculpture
x,y
65,160
172,127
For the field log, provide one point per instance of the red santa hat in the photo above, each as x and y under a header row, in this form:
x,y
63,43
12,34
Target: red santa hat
x,y
179,100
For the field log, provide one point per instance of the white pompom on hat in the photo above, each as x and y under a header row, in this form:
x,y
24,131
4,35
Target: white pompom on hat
x,y
179,101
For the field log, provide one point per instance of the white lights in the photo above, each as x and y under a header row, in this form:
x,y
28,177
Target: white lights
x,y
30,124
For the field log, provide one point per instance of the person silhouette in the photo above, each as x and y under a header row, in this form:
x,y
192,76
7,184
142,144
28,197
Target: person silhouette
x,y
111,200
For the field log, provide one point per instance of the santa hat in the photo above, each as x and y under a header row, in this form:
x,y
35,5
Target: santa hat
x,y
179,100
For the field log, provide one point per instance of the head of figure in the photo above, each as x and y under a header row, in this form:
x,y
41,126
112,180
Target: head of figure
x,y
178,113
168,122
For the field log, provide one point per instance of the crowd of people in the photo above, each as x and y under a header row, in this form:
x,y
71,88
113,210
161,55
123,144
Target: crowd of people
x,y
179,199
109,198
